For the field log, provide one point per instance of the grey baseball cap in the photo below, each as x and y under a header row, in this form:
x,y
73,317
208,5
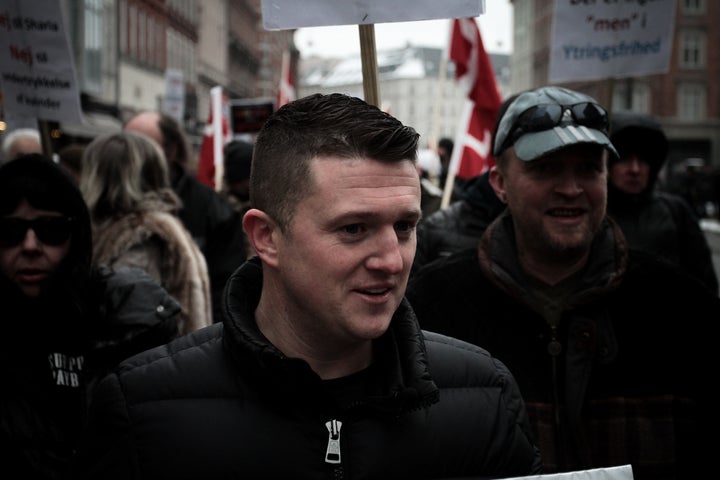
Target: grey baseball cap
x,y
562,118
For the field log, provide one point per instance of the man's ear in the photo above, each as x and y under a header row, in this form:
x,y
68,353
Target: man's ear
x,y
497,181
262,232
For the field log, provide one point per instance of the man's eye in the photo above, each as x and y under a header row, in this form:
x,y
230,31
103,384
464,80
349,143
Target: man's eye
x,y
404,226
353,229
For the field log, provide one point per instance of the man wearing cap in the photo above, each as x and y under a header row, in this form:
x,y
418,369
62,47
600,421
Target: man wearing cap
x,y
610,348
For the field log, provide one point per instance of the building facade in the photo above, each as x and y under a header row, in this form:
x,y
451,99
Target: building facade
x,y
124,51
416,85
686,99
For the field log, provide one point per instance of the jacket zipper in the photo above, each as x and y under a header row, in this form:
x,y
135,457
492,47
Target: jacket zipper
x,y
332,454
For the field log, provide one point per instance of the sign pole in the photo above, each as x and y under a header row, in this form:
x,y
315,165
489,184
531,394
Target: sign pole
x,y
368,55
45,137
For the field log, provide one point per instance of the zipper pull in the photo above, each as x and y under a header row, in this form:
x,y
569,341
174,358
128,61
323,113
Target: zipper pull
x,y
332,455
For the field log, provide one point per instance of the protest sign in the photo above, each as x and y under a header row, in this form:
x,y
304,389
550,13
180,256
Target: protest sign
x,y
623,472
174,99
599,40
287,14
37,72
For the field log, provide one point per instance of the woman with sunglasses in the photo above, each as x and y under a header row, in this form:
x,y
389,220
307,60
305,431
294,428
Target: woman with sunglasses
x,y
65,323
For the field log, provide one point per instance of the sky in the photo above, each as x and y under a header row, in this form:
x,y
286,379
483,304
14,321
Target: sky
x,y
343,40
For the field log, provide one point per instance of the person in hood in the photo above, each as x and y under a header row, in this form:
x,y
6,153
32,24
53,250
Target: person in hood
x,y
319,369
610,346
65,323
657,222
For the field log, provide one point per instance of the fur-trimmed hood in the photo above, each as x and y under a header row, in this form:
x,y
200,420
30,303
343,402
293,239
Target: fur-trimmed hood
x,y
182,267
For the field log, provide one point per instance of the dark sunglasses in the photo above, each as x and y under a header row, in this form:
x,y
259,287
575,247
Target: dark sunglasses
x,y
49,230
546,116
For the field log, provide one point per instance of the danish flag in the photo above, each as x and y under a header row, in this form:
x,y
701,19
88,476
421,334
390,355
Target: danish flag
x,y
472,153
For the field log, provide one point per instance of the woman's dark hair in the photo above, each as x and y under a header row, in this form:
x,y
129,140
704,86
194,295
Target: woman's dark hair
x,y
46,186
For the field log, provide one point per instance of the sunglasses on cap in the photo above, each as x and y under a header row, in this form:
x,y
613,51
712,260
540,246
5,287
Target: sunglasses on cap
x,y
547,116
48,230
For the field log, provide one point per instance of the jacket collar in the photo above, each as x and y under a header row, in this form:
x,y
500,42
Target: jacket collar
x,y
401,381
497,253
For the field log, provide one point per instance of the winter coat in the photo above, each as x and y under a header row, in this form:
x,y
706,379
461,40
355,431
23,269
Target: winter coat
x,y
48,376
460,225
614,365
56,346
222,402
656,222
216,228
665,225
203,209
156,241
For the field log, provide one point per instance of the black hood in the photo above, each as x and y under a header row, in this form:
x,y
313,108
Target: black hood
x,y
640,134
46,185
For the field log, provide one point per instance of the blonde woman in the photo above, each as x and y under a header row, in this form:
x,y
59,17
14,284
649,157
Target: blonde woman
x,y
125,182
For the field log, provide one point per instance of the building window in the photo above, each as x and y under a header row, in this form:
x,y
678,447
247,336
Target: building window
x,y
152,48
132,32
692,49
692,7
92,53
631,96
691,101
142,36
160,45
123,25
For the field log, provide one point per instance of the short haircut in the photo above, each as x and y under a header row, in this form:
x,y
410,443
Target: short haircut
x,y
333,125
119,170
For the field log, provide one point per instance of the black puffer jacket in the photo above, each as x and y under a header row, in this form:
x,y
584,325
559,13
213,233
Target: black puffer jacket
x,y
56,346
460,225
224,403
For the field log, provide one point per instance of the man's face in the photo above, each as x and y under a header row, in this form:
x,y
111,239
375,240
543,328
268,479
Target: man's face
x,y
558,201
346,256
630,174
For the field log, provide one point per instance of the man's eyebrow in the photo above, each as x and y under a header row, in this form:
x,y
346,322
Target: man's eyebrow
x,y
370,214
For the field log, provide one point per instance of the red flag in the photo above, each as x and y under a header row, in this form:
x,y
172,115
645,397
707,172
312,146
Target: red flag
x,y
286,91
472,153
206,171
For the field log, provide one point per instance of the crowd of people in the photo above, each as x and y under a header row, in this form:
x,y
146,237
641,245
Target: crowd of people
x,y
555,317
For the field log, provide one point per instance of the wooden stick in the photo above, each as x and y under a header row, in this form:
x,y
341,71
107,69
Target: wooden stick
x,y
368,55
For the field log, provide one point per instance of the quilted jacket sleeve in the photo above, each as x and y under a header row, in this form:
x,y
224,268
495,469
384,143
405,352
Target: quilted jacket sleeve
x,y
107,451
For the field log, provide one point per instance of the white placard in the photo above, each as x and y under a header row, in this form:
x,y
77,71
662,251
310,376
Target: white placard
x,y
37,71
623,472
593,40
288,14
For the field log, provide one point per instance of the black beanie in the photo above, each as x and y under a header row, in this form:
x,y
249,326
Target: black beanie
x,y
238,158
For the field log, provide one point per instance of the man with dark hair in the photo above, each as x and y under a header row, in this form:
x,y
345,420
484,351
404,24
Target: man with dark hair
x,y
319,369
610,347
204,212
